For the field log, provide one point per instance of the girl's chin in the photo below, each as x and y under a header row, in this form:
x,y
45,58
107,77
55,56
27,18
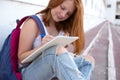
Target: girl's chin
x,y
57,20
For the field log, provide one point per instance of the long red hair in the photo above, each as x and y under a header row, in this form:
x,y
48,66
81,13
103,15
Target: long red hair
x,y
73,25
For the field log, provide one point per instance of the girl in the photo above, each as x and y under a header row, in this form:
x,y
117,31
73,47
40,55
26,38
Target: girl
x,y
60,17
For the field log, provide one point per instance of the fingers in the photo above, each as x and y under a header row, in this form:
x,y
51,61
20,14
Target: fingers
x,y
66,34
46,39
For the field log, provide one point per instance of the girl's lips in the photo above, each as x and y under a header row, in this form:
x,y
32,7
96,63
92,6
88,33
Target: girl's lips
x,y
59,17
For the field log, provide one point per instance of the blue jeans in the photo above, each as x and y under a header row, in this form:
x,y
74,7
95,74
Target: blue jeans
x,y
64,67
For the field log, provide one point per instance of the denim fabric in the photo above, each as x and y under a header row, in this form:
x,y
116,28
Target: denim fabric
x,y
84,66
64,67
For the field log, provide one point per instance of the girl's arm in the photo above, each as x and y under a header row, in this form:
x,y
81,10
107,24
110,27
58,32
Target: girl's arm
x,y
29,32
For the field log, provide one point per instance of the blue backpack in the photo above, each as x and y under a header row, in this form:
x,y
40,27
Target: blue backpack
x,y
8,55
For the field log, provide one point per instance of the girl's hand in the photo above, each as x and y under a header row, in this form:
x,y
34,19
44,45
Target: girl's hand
x,y
46,39
66,34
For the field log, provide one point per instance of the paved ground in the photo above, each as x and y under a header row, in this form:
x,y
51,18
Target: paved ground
x,y
98,44
116,44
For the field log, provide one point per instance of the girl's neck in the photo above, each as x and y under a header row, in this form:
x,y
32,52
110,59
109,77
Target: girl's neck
x,y
52,28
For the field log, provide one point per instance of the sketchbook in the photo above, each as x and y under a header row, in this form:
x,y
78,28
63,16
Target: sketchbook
x,y
59,40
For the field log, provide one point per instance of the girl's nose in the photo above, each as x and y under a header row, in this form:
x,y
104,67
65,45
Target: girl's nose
x,y
63,14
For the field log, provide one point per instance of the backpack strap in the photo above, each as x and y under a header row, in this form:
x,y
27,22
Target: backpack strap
x,y
39,24
37,20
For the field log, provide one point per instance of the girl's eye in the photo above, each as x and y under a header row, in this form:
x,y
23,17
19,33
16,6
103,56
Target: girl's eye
x,y
62,7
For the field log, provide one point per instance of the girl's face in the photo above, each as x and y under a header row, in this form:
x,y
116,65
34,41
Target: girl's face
x,y
63,11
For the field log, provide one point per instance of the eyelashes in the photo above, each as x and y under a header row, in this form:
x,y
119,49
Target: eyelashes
x,y
62,7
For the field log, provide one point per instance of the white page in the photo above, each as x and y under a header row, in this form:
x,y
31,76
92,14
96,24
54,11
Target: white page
x,y
59,40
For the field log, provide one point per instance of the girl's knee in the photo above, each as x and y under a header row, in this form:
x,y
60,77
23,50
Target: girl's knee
x,y
60,50
90,59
